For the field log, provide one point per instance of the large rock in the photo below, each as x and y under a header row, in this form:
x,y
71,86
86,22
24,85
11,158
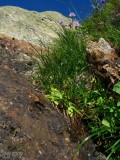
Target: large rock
x,y
104,59
31,26
100,51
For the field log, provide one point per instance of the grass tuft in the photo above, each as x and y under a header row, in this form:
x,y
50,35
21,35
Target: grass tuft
x,y
68,80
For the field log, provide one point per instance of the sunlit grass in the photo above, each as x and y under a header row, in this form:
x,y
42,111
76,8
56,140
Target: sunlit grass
x,y
68,80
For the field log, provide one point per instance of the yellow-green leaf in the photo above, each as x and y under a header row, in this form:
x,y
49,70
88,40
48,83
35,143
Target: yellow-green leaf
x,y
118,103
105,123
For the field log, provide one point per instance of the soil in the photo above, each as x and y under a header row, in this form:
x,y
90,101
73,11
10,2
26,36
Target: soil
x,y
30,127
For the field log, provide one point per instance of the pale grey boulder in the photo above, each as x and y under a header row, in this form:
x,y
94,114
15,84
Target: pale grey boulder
x,y
31,26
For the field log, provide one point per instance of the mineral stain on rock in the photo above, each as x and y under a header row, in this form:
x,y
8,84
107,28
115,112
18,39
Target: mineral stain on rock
x,y
30,127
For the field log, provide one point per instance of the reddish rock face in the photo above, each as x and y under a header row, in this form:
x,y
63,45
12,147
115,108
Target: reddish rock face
x,y
29,123
15,45
30,127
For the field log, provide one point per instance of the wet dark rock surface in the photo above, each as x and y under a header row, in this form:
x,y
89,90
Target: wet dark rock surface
x,y
30,127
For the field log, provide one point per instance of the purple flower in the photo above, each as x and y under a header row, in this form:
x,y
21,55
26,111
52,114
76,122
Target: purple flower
x,y
76,24
102,1
72,14
118,15
62,23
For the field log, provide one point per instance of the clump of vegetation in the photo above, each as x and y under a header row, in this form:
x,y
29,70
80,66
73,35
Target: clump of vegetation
x,y
67,79
104,22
